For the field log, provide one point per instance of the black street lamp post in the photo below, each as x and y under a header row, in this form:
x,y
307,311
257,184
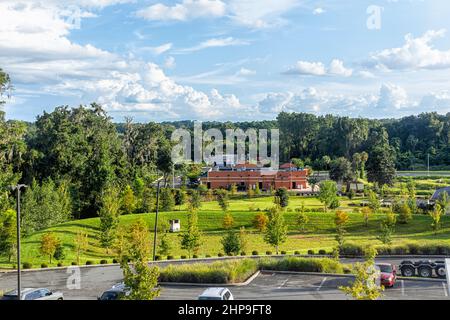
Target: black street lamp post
x,y
156,220
19,284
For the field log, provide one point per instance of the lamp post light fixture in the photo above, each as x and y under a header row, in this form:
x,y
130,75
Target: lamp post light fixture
x,y
19,284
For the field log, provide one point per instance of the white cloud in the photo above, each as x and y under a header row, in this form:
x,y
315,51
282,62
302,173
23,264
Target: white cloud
x,y
160,49
318,11
336,68
215,43
392,96
260,13
34,48
245,72
250,13
170,63
436,101
416,53
186,10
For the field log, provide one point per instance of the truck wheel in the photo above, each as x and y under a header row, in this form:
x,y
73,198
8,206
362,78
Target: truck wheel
x,y
440,271
408,271
425,272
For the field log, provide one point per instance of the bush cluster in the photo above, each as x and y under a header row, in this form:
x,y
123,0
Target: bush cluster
x,y
217,272
324,265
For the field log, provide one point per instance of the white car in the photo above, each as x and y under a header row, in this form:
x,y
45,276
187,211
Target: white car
x,y
34,294
216,294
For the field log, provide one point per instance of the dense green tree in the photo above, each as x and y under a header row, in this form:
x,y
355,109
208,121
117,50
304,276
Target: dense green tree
x,y
282,197
222,199
276,229
45,205
80,145
328,194
109,214
341,170
167,200
231,243
8,233
381,161
191,238
128,200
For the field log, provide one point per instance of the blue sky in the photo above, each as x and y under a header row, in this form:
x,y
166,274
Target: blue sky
x,y
227,59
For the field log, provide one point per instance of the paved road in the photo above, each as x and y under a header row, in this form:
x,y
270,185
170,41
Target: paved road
x,y
95,280
307,287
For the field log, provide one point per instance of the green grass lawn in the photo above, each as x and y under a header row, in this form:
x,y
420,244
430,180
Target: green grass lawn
x,y
319,233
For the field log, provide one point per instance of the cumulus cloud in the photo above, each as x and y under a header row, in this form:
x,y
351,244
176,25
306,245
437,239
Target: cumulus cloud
x,y
186,10
436,101
336,68
389,100
34,48
250,13
416,53
245,72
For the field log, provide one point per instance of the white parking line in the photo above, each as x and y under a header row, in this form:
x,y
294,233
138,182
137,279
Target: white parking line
x,y
403,287
321,284
284,282
445,289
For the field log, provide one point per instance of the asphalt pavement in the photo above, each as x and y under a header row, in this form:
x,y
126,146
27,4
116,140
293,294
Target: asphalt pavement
x,y
89,282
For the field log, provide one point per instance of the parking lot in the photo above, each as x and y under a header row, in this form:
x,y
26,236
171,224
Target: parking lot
x,y
311,287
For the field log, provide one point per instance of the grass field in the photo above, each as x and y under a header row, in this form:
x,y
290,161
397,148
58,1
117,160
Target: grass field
x,y
319,233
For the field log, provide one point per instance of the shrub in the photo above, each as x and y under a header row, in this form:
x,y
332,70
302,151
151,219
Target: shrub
x,y
103,261
195,256
311,252
297,252
208,256
44,265
169,257
324,265
269,253
283,252
352,249
243,253
220,254
183,257
115,261
73,263
322,252
89,262
218,272
27,265
255,253
157,257
60,264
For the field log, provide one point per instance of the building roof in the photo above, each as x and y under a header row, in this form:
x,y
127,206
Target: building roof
x,y
288,166
246,166
437,194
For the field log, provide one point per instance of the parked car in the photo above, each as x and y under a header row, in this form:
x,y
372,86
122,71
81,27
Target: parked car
x,y
117,292
423,268
34,294
388,274
216,294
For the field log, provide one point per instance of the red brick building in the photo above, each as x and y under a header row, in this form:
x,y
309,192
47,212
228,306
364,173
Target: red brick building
x,y
246,176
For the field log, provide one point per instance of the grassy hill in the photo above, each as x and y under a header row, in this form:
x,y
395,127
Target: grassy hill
x,y
319,233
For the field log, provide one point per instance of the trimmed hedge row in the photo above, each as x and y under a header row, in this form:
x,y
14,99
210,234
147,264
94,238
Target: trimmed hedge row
x,y
323,265
354,250
217,272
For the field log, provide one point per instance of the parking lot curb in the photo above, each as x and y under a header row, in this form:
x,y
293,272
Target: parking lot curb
x,y
240,284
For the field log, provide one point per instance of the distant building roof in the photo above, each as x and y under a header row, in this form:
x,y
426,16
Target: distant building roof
x,y
437,194
246,166
288,166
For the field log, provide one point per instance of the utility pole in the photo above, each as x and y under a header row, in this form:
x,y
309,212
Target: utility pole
x,y
19,280
156,220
